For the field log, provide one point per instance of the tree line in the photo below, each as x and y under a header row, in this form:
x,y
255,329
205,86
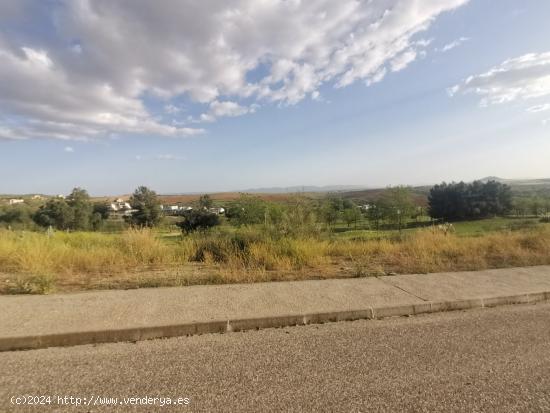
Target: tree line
x,y
395,207
77,212
461,201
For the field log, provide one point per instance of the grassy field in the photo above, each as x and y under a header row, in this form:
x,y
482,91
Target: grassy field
x,y
33,262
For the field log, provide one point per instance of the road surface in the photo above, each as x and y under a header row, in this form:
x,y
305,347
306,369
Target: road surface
x,y
479,360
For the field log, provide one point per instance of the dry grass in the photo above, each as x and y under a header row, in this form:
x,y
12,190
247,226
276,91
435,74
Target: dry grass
x,y
36,263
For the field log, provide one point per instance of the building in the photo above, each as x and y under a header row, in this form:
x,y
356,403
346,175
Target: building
x,y
174,209
119,205
15,201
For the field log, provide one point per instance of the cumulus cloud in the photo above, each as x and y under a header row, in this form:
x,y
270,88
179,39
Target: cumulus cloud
x,y
520,79
69,149
87,78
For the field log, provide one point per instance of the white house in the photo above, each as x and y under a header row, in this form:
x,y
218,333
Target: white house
x,y
120,205
16,201
174,209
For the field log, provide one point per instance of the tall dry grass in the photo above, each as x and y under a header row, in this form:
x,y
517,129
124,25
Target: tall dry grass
x,y
84,252
248,255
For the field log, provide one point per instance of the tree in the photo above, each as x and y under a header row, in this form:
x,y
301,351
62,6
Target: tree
x,y
298,217
79,201
198,219
248,210
397,205
375,214
103,209
205,202
18,216
147,208
330,211
351,216
100,213
546,205
457,201
56,213
536,206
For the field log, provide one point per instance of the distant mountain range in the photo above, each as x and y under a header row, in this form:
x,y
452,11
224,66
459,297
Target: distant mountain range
x,y
304,188
350,188
518,185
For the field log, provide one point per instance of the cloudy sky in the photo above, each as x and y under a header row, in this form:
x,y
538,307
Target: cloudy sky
x,y
186,95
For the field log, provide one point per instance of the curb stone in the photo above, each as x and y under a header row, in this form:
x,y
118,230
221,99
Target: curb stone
x,y
222,326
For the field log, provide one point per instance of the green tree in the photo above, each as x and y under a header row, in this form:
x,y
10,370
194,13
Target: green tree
x,y
79,201
546,205
17,216
56,213
536,206
457,201
397,205
352,216
103,209
198,220
375,214
298,217
330,211
248,210
147,208
205,201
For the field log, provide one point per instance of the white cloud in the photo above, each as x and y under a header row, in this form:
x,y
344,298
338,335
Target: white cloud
x,y
520,79
539,108
226,109
403,60
172,109
88,78
69,149
454,44
161,157
169,157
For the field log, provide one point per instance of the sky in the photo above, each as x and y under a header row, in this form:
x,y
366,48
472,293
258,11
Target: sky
x,y
207,96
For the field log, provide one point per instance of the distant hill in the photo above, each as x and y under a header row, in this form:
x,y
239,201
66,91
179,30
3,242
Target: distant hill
x,y
357,193
300,189
517,182
520,187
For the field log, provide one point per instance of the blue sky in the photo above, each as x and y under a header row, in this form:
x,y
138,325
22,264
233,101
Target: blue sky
x,y
189,98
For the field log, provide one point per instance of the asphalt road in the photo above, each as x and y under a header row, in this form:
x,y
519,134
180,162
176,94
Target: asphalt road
x,y
480,360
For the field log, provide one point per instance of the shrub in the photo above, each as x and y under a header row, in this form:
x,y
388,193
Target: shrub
x,y
195,220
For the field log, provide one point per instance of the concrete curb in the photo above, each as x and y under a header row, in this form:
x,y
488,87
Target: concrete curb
x,y
222,326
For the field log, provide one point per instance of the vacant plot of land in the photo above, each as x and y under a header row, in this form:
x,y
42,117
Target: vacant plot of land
x,y
32,262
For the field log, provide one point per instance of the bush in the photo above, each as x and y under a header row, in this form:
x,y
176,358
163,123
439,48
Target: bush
x,y
198,220
17,217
